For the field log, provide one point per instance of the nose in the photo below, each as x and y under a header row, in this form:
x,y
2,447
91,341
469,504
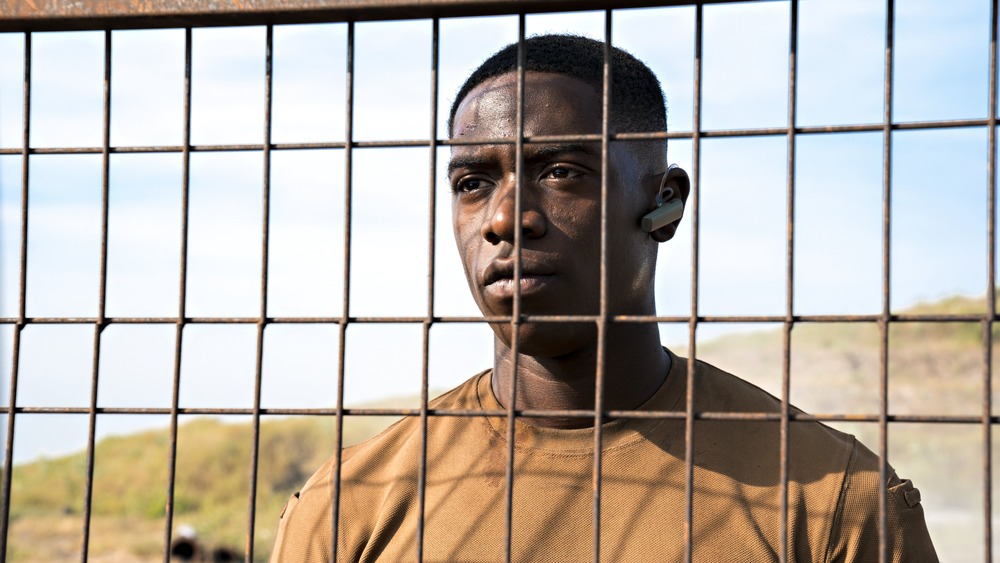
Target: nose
x,y
500,226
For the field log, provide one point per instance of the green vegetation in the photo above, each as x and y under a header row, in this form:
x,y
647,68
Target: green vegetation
x,y
130,488
934,369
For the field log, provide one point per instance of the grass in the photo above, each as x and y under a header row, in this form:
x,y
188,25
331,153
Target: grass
x,y
130,488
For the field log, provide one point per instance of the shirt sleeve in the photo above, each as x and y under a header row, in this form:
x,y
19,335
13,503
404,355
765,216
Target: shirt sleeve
x,y
282,524
303,531
855,531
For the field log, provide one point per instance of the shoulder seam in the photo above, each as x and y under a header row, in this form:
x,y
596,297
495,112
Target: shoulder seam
x,y
839,511
430,404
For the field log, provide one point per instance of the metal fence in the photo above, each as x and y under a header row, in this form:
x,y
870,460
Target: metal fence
x,y
29,17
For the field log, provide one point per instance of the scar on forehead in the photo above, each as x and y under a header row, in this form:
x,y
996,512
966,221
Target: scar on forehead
x,y
465,128
491,101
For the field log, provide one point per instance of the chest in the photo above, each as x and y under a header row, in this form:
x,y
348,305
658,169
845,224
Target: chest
x,y
642,513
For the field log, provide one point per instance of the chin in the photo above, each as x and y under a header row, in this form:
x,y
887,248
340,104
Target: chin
x,y
549,340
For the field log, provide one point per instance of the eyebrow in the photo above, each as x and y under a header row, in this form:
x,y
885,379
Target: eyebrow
x,y
549,151
541,152
467,162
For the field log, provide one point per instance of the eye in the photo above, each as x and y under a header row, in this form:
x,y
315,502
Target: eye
x,y
465,185
562,173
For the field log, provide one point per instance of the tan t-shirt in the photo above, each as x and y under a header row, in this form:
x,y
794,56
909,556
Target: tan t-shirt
x,y
832,493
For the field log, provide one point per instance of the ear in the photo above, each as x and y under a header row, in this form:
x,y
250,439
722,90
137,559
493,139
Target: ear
x,y
674,184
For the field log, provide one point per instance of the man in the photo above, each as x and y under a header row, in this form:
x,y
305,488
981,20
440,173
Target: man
x,y
833,480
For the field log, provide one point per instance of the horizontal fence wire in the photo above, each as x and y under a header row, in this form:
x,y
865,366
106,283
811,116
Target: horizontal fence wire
x,y
493,319
30,15
125,15
527,413
410,143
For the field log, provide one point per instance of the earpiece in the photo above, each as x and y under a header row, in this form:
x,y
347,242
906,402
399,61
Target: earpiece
x,y
668,210
663,215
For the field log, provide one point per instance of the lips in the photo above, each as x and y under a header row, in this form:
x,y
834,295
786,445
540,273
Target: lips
x,y
498,279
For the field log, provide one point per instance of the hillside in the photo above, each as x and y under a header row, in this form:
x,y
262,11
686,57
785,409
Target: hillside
x,y
130,477
933,368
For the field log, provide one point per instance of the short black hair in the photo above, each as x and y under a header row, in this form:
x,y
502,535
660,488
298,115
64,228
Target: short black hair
x,y
637,101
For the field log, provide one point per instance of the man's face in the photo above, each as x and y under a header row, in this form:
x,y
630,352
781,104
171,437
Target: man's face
x,y
561,210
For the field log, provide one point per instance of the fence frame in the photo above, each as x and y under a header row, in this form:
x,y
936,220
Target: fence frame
x,y
28,16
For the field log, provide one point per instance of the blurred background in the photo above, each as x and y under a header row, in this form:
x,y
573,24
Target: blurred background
x,y
938,264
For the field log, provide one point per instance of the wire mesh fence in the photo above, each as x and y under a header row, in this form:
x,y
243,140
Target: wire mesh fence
x,y
27,23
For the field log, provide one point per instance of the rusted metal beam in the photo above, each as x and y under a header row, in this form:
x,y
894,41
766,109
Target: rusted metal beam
x,y
55,15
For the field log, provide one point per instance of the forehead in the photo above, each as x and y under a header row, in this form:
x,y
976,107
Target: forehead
x,y
554,104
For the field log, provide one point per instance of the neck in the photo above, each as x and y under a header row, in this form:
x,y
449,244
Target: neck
x,y
635,366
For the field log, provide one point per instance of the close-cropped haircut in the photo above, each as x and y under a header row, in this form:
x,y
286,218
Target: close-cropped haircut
x,y
637,102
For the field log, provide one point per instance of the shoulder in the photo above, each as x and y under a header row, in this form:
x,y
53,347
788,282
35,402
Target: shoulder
x,y
836,474
749,450
398,440
722,391
305,531
811,442
854,535
392,440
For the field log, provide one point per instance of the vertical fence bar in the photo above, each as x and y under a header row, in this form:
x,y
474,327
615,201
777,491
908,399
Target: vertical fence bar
x,y
8,462
262,321
883,422
515,322
345,311
991,215
786,358
99,325
602,323
181,300
431,225
693,322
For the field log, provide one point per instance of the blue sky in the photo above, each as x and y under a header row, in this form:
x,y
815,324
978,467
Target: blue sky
x,y
938,213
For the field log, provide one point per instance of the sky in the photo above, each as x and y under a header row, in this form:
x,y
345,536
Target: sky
x,y
938,200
